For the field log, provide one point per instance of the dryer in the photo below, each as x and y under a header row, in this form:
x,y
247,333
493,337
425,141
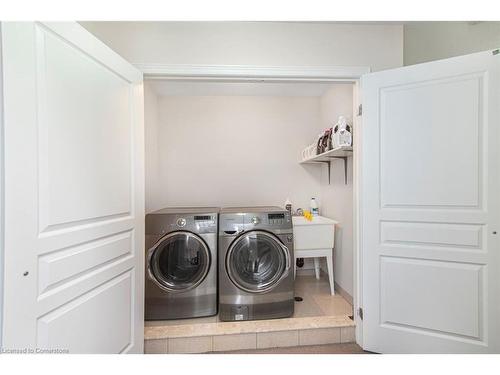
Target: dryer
x,y
181,263
255,263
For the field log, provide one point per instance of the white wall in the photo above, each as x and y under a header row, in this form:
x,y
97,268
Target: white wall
x,y
337,197
151,154
379,46
233,151
427,41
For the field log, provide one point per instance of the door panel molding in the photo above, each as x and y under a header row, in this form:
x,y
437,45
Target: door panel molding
x,y
403,309
69,114
467,236
97,312
407,127
62,265
77,36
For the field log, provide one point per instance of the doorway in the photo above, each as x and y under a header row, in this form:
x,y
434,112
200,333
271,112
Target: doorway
x,y
195,102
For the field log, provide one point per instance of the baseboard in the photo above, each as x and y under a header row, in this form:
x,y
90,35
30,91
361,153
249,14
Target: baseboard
x,y
344,294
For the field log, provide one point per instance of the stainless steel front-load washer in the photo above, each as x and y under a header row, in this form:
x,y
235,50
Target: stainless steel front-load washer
x,y
255,263
181,263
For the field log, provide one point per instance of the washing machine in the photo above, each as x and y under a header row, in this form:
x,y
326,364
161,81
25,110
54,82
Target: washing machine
x,y
255,263
181,263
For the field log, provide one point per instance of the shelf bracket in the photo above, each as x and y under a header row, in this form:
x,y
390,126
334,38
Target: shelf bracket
x,y
328,164
344,158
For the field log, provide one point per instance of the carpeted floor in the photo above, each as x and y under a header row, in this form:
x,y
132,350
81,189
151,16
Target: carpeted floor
x,y
313,349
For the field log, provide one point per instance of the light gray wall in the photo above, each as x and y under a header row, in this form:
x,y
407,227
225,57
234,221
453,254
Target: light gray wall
x,y
379,46
336,196
151,154
427,41
235,150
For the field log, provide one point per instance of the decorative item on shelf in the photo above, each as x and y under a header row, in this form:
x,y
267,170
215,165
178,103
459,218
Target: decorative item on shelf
x,y
319,144
309,151
324,142
342,133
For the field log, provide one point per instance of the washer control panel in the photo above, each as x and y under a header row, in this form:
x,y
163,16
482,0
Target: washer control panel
x,y
276,219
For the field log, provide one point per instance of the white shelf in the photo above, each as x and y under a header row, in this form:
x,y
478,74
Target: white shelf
x,y
342,152
339,152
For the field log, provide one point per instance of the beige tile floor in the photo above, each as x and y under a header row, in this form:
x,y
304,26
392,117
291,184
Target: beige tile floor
x,y
319,318
317,301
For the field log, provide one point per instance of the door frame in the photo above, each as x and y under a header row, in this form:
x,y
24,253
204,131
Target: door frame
x,y
251,72
2,179
317,74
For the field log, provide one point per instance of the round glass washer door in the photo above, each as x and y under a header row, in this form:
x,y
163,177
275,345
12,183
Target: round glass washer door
x,y
256,261
179,261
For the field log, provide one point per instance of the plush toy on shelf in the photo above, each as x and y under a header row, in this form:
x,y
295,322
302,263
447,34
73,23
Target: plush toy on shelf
x,y
342,133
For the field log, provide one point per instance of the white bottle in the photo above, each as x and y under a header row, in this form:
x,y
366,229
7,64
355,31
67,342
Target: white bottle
x,y
314,207
288,206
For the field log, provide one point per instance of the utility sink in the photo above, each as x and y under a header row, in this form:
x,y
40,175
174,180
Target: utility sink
x,y
315,239
319,233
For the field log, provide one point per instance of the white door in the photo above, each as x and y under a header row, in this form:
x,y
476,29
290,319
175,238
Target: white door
x,y
74,195
430,207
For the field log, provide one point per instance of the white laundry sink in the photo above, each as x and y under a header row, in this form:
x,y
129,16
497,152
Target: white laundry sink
x,y
315,239
319,233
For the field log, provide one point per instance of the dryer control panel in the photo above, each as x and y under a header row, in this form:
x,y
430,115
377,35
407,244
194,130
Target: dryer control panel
x,y
205,221
165,223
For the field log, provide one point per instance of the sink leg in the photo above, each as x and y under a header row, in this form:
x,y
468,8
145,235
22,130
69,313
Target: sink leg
x,y
316,267
329,263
